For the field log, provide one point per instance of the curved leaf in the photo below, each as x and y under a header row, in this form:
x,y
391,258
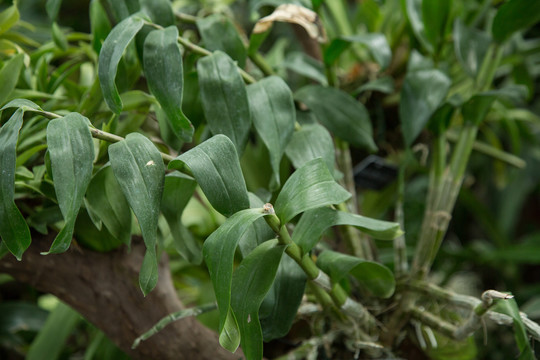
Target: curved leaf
x,y
159,11
224,98
218,252
376,278
219,33
315,222
274,115
509,307
421,94
413,10
257,233
376,44
470,46
99,23
139,169
105,200
251,282
110,55
514,15
216,168
340,113
25,104
72,154
164,74
177,191
310,142
14,231
309,187
10,75
281,303
8,18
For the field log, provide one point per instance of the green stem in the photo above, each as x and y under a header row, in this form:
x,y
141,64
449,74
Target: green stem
x,y
261,63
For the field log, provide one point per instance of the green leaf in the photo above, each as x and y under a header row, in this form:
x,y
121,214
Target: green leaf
x,y
59,37
216,168
413,9
159,11
435,16
470,46
309,187
274,115
53,335
257,233
307,66
92,237
376,44
310,142
110,55
509,307
24,104
177,191
219,33
224,98
280,305
14,231
121,9
315,222
9,75
421,94
71,150
8,18
99,24
139,169
513,16
340,113
218,252
374,277
383,84
105,199
53,7
164,74
251,281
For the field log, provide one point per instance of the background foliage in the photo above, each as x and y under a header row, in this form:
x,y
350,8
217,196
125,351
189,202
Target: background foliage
x,y
190,115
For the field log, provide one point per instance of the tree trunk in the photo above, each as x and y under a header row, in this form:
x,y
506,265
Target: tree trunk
x,y
104,288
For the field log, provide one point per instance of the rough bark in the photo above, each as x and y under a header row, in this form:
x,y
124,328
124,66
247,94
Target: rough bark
x,y
103,287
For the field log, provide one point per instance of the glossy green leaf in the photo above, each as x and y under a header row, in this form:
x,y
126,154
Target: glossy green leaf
x,y
340,113
14,232
509,307
305,65
470,46
71,151
310,142
372,276
216,168
218,252
224,98
257,233
219,33
53,7
421,94
105,199
514,15
110,55
8,18
99,24
177,191
251,282
139,170
375,43
274,115
309,187
164,74
315,222
9,75
280,305
53,336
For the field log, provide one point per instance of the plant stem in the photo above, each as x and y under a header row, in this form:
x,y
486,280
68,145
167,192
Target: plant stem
x,y
318,277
